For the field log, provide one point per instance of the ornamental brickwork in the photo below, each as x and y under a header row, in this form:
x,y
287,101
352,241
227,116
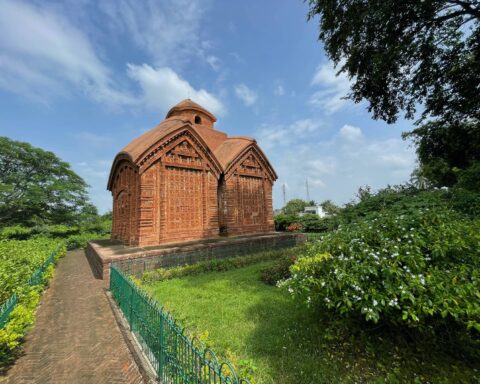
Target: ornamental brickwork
x,y
184,180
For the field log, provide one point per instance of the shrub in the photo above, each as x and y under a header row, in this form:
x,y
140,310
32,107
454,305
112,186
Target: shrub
x,y
81,240
217,265
19,259
15,232
23,315
278,271
310,222
60,230
417,268
282,221
294,227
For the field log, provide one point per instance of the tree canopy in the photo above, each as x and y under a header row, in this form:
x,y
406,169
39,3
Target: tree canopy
x,y
444,150
401,55
295,206
37,187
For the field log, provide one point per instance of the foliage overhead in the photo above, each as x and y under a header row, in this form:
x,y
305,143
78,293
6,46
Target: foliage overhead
x,y
400,54
37,187
445,149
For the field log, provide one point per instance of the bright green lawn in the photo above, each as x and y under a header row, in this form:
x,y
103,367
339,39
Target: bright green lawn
x,y
276,340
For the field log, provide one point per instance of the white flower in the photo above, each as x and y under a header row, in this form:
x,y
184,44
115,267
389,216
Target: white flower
x,y
393,302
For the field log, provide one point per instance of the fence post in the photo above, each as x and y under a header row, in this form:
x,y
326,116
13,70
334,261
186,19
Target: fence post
x,y
161,352
131,307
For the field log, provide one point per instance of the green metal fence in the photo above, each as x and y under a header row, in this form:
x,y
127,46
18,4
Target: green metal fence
x,y
314,236
36,278
6,308
175,357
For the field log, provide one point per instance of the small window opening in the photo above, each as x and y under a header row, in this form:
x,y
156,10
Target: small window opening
x,y
198,120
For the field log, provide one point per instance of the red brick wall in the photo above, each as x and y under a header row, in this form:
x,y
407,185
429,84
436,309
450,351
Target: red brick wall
x,y
125,203
247,197
179,195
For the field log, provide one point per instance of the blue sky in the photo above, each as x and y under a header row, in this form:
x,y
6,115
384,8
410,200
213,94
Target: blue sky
x,y
82,78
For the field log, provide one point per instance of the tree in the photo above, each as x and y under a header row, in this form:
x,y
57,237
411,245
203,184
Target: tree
x,y
403,54
329,207
295,206
446,149
36,186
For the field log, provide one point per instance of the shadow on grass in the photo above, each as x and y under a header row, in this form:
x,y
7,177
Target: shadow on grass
x,y
278,340
302,346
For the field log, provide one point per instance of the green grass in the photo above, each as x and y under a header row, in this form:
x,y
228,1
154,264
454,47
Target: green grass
x,y
273,339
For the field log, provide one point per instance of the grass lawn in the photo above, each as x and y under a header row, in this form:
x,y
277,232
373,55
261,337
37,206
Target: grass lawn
x,y
273,339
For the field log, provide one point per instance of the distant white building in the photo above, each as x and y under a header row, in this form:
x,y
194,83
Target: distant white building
x,y
315,209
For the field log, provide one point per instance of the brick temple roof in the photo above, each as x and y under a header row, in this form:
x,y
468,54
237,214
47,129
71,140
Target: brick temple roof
x,y
190,115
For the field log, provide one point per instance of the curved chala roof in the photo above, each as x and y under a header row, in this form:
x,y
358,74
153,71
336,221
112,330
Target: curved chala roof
x,y
192,117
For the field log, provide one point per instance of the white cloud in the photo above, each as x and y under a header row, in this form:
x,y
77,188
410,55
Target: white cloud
x,y
213,61
350,133
248,96
335,166
94,139
300,127
169,31
279,90
44,55
332,89
95,170
162,88
281,135
321,166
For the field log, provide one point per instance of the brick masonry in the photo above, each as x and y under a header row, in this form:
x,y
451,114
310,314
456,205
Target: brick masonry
x,y
102,253
183,180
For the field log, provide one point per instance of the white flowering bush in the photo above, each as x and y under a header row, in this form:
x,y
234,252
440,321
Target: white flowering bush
x,y
403,269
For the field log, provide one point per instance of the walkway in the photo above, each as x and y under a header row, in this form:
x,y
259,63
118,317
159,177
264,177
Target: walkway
x,y
76,338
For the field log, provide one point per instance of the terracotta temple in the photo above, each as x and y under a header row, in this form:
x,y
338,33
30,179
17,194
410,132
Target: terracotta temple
x,y
184,180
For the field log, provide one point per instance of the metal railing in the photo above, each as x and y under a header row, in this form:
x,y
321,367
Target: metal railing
x,y
6,308
314,236
35,279
175,357
37,276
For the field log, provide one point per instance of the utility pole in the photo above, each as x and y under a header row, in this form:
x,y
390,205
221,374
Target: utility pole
x,y
284,195
308,192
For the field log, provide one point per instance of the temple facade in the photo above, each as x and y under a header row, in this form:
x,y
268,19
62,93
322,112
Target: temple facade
x,y
184,180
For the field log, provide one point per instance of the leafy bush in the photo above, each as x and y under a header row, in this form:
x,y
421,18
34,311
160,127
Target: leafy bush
x,y
60,230
81,240
282,221
16,232
310,222
294,227
21,319
216,265
23,315
417,268
278,271
19,259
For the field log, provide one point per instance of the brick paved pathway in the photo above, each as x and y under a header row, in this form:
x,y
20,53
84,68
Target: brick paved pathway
x,y
76,338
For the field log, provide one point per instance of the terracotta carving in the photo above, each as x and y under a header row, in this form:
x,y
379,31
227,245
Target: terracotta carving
x,y
184,180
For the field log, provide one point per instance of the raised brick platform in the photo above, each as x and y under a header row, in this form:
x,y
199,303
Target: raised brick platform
x,y
102,253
